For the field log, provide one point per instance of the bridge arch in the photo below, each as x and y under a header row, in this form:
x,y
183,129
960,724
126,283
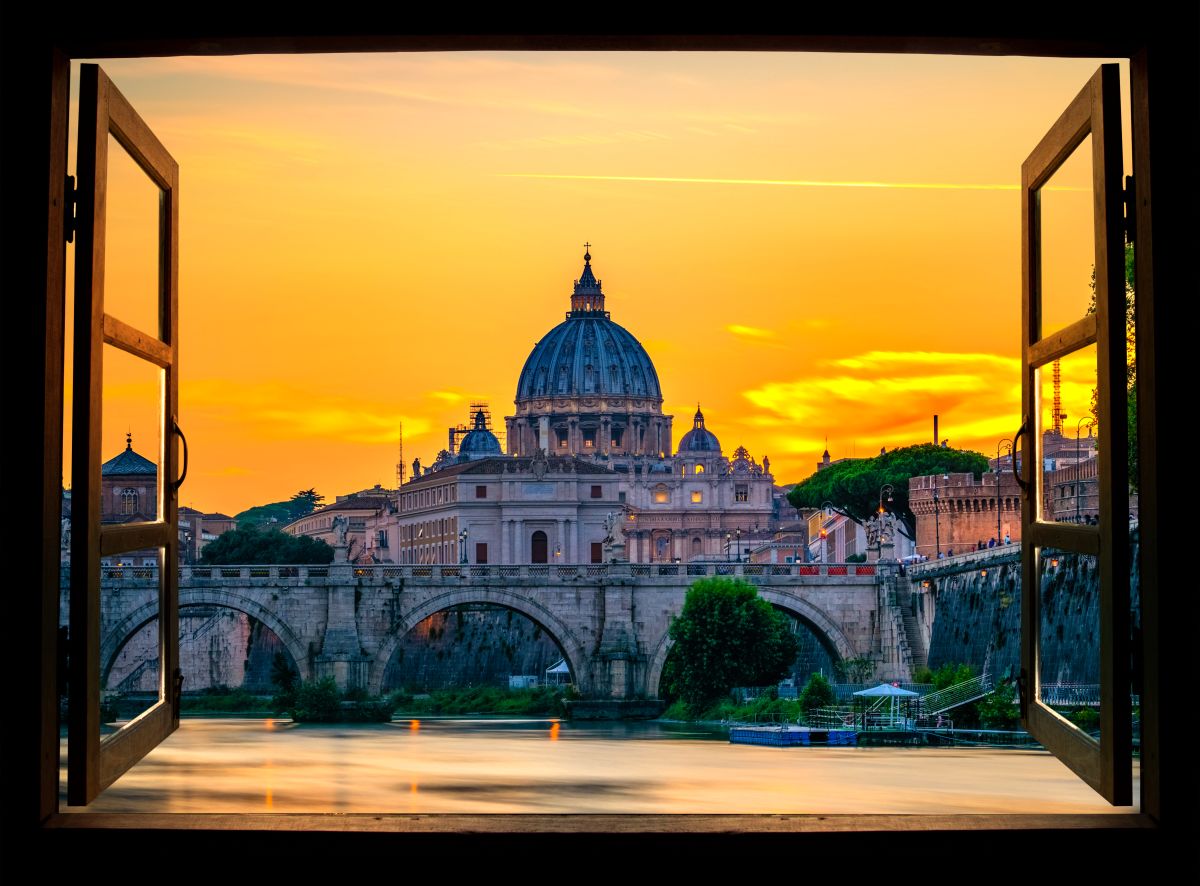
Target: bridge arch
x,y
826,630
115,638
573,650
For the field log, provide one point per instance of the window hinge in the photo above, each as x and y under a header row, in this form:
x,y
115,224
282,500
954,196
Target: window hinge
x,y
69,197
1130,194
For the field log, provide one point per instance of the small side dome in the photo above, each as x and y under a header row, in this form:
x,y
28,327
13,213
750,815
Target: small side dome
x,y
479,442
699,439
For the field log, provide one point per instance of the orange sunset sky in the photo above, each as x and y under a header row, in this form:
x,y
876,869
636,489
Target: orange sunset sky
x,y
809,245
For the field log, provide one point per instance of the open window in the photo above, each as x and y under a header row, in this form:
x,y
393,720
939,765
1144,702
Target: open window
x,y
1056,555
96,760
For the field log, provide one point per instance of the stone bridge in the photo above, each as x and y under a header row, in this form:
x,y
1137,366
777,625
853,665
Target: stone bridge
x,y
611,621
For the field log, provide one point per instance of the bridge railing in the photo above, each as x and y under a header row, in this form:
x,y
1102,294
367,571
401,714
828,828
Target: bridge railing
x,y
554,573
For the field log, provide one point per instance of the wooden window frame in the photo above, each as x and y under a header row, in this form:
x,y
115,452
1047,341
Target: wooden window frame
x,y
103,113
1159,71
1105,765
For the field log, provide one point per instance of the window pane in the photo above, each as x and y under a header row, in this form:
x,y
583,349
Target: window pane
x,y
1069,636
129,637
131,248
1070,491
1067,241
130,427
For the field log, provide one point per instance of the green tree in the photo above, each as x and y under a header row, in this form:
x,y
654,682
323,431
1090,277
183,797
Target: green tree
x,y
852,486
253,544
305,502
726,636
817,694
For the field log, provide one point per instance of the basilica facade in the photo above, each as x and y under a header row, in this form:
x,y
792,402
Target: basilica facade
x,y
589,471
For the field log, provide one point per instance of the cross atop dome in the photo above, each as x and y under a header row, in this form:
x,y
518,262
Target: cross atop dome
x,y
587,298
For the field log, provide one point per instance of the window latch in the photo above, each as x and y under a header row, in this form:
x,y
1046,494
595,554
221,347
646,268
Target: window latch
x,y
1130,195
70,195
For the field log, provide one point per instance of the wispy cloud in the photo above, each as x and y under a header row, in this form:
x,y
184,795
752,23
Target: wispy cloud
x,y
749,331
789,183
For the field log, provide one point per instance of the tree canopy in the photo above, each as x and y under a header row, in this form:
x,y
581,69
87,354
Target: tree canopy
x,y
252,544
303,502
852,486
726,636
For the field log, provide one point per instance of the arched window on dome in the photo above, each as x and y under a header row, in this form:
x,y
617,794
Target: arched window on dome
x,y
589,378
614,377
562,379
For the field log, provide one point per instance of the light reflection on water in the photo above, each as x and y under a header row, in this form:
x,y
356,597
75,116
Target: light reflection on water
x,y
544,766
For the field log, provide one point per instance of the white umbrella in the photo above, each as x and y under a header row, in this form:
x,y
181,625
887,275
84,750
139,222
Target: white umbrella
x,y
887,690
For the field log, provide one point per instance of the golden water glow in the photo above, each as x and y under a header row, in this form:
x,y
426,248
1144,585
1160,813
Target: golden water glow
x,y
375,239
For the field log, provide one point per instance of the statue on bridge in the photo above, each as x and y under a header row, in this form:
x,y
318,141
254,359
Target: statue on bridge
x,y
340,525
614,537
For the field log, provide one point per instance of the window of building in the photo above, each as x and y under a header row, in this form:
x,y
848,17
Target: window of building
x,y
697,497
481,492
597,491
597,552
621,497
661,495
589,438
697,546
741,492
481,552
699,469
617,435
129,501
562,438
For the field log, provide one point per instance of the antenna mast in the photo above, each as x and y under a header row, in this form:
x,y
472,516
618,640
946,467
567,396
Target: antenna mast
x,y
1059,415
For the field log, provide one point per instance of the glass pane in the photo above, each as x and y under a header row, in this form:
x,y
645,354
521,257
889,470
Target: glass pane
x,y
131,248
1069,636
1068,241
1068,428
130,427
129,636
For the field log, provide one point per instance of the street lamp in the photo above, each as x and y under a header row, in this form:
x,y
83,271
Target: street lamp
x,y
462,546
890,494
728,545
999,500
738,533
1078,473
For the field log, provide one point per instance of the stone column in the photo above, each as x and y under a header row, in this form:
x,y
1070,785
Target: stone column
x,y
561,543
544,432
578,555
574,442
341,652
506,541
605,432
519,541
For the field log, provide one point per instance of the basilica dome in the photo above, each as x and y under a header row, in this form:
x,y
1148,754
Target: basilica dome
x,y
588,355
699,440
479,442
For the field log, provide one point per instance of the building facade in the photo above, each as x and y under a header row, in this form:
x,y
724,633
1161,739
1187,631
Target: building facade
x,y
588,397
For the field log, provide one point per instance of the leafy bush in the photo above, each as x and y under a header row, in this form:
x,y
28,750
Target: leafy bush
x,y
817,693
541,700
999,710
222,698
317,701
1087,719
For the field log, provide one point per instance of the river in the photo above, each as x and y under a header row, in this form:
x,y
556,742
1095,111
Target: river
x,y
547,766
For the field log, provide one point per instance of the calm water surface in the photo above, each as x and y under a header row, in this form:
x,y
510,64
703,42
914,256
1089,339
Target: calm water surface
x,y
547,766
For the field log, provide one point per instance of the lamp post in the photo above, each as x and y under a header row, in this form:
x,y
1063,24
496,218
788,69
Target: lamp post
x,y
462,546
1078,472
728,544
999,500
937,527
891,494
826,507
738,534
